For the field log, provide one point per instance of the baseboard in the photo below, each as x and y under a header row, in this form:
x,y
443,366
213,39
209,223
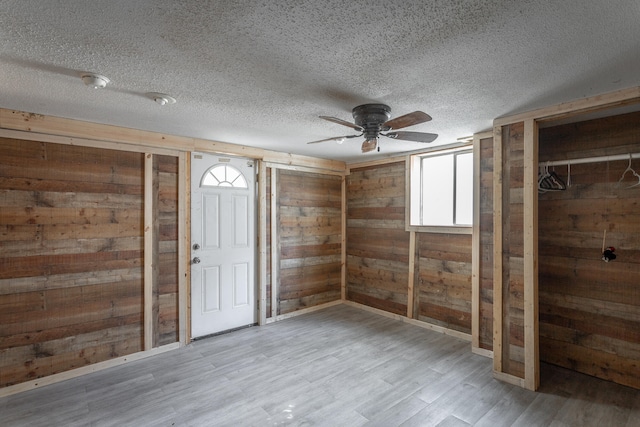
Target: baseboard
x,y
482,352
84,370
303,311
62,376
425,325
510,379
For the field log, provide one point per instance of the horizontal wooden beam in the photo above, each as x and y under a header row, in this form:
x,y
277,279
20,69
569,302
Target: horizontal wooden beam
x,y
377,162
572,108
84,142
86,131
483,135
403,156
307,169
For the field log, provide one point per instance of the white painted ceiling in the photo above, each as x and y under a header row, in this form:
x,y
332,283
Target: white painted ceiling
x,y
260,72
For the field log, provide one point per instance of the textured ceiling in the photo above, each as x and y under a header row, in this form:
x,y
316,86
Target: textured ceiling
x,y
260,72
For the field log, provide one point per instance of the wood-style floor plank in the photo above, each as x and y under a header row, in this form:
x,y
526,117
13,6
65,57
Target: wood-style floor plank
x,y
339,366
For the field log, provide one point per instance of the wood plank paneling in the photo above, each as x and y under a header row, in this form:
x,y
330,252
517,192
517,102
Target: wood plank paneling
x,y
269,248
166,295
511,262
486,244
71,256
309,222
378,254
589,309
444,280
377,242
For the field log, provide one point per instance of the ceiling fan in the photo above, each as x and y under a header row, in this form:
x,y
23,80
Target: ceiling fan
x,y
373,120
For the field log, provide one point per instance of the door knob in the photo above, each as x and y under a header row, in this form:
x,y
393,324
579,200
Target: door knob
x,y
196,260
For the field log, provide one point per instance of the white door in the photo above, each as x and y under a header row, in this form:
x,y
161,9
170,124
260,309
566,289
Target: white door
x,y
223,244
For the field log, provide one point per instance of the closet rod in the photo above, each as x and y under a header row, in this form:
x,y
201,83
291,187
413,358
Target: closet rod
x,y
591,160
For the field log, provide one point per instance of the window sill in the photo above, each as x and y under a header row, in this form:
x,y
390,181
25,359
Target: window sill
x,y
452,229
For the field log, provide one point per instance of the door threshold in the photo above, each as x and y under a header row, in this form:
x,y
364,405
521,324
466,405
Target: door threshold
x,y
215,334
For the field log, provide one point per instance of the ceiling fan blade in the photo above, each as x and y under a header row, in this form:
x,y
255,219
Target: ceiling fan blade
x,y
338,139
407,120
342,122
412,136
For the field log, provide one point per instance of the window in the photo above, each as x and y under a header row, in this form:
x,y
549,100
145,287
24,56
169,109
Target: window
x,y
442,189
223,176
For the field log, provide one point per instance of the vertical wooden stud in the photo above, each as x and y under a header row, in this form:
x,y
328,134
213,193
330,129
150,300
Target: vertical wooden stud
x,y
343,247
411,279
155,254
184,242
531,338
275,246
408,164
262,241
148,251
497,249
475,248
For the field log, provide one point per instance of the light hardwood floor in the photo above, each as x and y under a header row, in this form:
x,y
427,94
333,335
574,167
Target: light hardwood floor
x,y
339,366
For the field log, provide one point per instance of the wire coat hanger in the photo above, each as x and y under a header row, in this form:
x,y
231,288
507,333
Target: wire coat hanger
x,y
629,169
549,181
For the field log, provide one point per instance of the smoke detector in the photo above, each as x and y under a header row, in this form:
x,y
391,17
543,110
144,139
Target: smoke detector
x,y
161,98
95,81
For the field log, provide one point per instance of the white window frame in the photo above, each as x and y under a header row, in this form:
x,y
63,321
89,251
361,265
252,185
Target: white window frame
x,y
414,182
220,184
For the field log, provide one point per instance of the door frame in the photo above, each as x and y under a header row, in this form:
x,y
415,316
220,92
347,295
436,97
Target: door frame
x,y
260,221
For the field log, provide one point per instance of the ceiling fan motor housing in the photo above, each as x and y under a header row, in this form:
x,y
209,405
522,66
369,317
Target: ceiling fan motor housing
x,y
371,117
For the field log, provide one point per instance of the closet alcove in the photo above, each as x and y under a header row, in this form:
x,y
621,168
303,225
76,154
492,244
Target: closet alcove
x,y
553,299
589,309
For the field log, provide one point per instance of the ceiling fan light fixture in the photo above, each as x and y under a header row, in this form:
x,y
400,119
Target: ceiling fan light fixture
x,y
373,120
161,98
369,145
94,81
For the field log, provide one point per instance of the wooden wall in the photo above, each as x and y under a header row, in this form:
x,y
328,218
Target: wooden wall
x,y
512,262
485,205
269,276
590,309
378,254
444,280
71,256
166,292
377,243
309,239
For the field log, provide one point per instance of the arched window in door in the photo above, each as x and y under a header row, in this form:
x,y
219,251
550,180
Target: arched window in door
x,y
222,175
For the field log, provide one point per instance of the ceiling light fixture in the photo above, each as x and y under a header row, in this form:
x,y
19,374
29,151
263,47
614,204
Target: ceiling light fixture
x,y
161,98
95,81
369,145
